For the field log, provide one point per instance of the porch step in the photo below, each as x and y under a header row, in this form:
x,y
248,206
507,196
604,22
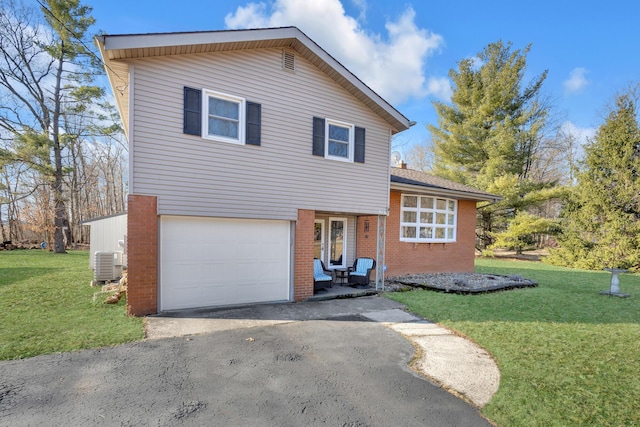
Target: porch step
x,y
341,292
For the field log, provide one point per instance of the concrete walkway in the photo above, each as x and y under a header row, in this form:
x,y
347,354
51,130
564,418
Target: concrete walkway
x,y
455,363
458,365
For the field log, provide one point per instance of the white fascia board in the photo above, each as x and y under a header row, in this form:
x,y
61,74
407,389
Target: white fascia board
x,y
336,65
137,41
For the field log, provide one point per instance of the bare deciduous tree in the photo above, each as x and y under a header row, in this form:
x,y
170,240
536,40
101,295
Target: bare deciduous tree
x,y
49,108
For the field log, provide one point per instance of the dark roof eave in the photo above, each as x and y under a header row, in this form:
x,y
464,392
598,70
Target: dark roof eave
x,y
434,189
88,221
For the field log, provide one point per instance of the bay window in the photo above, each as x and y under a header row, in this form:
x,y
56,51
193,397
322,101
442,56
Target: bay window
x,y
427,219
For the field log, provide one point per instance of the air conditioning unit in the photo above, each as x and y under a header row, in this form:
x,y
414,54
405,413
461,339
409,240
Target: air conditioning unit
x,y
117,264
108,266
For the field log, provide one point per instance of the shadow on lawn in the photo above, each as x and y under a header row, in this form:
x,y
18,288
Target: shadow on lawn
x,y
11,275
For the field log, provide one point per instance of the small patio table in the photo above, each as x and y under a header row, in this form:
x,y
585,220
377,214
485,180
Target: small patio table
x,y
341,273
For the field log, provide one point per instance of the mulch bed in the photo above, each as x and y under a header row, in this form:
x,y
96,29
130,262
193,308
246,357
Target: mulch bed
x,y
460,283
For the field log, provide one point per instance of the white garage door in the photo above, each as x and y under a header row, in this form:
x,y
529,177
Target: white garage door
x,y
211,262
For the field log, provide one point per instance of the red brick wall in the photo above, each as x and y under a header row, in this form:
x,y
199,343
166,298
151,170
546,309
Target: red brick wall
x,y
408,258
142,252
367,241
303,259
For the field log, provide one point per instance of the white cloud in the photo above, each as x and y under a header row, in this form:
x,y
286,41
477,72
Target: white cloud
x,y
361,5
579,136
251,16
440,87
392,64
577,80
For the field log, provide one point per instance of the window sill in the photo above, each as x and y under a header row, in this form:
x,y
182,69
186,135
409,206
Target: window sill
x,y
221,139
339,159
426,241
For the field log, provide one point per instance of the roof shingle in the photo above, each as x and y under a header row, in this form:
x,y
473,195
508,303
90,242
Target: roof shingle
x,y
425,180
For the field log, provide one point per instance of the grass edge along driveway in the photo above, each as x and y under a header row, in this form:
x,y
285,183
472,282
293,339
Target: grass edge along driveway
x,y
567,355
46,306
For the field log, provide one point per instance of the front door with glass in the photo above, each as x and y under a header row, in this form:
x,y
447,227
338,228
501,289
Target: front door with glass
x,y
337,242
334,252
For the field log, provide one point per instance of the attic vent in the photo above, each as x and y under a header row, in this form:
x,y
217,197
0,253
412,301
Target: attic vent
x,y
288,61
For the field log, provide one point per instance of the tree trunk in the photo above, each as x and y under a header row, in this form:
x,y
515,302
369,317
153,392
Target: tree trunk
x,y
485,229
60,221
4,236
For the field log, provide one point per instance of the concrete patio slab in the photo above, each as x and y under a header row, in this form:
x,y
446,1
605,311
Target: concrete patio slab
x,y
391,316
419,329
177,327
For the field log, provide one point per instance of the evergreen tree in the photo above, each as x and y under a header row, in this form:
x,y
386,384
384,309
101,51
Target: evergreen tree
x,y
523,229
491,133
493,124
603,214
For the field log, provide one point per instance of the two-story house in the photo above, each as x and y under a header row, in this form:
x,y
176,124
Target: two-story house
x,y
239,141
250,153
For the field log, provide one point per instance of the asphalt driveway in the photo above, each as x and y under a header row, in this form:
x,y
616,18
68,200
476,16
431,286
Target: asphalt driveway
x,y
346,371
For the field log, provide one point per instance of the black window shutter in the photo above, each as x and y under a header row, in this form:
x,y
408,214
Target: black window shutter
x,y
318,136
358,152
254,113
192,111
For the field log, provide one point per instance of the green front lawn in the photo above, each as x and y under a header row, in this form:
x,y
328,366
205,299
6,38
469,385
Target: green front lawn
x,y
567,355
46,306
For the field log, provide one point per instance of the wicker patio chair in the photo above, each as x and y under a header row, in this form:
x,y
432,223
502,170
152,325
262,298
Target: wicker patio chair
x,y
322,278
359,274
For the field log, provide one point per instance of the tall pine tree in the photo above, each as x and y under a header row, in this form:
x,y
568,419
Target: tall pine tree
x,y
45,74
603,216
492,126
490,134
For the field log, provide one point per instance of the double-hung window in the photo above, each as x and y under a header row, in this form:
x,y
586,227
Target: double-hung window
x,y
339,140
224,117
221,117
427,219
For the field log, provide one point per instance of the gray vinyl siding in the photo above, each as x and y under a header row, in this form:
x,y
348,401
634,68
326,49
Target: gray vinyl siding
x,y
195,176
351,239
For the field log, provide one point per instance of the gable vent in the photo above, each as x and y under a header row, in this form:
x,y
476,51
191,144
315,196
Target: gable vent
x,y
288,61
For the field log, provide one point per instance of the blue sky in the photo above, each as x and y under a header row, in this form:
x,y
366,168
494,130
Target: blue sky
x,y
404,51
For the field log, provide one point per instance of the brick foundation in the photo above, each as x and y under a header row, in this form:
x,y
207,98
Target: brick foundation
x,y
142,250
400,257
303,259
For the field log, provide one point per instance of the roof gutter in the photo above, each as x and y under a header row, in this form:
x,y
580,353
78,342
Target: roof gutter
x,y
287,36
478,197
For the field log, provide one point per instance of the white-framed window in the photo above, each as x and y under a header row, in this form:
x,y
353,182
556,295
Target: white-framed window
x,y
223,118
427,219
339,140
